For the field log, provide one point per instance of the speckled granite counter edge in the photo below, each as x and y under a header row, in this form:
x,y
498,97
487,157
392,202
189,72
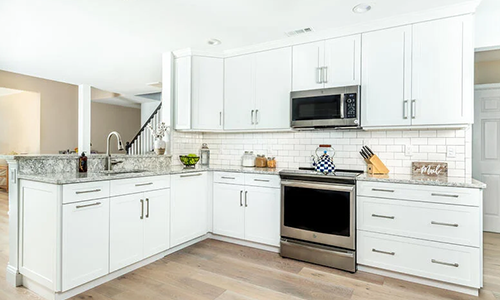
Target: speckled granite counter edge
x,y
408,179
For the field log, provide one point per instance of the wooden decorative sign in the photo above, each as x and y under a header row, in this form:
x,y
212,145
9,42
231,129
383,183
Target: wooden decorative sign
x,y
430,168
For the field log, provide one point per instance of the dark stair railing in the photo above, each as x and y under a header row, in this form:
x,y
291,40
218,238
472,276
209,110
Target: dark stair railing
x,y
143,142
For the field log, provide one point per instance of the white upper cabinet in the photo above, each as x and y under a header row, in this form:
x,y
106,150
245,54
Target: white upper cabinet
x,y
199,93
307,62
342,61
442,74
386,77
331,63
257,90
418,75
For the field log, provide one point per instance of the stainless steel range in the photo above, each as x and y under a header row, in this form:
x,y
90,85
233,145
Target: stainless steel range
x,y
318,217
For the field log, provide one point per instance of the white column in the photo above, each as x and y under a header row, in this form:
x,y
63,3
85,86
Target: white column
x,y
167,96
13,277
84,117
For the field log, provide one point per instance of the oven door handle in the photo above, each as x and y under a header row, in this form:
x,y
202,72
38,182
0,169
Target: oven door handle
x,y
319,186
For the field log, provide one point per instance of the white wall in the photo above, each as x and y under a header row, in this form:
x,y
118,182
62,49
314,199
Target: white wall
x,y
488,24
146,110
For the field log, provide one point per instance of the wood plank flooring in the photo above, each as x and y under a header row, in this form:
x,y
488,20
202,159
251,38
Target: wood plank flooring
x,y
217,270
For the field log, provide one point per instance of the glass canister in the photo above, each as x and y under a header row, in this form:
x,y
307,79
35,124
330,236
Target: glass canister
x,y
248,159
261,161
205,155
271,162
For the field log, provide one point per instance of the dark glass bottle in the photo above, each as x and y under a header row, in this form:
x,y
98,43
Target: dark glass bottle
x,y
82,163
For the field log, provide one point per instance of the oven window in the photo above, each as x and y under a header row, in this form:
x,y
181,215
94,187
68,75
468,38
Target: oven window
x,y
317,210
316,108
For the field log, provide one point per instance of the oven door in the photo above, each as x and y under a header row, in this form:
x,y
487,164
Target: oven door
x,y
321,213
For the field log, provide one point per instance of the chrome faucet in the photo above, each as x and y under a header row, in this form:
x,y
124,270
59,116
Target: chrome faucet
x,y
109,162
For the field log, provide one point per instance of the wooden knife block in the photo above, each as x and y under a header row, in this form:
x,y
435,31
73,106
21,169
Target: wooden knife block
x,y
376,166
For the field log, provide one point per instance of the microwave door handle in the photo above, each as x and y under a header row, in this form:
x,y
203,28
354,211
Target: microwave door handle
x,y
342,104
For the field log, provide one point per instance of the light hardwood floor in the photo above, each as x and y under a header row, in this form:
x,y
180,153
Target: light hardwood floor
x,y
223,271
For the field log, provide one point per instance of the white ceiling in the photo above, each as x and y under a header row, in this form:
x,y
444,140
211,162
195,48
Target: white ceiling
x,y
116,45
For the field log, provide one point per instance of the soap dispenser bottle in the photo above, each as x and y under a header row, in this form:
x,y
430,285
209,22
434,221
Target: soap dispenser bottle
x,y
82,163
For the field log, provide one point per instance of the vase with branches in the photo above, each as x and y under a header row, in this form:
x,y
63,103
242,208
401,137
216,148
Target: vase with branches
x,y
158,134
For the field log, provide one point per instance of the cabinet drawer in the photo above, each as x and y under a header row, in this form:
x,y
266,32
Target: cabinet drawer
x,y
272,181
225,177
85,191
425,193
437,222
137,185
454,264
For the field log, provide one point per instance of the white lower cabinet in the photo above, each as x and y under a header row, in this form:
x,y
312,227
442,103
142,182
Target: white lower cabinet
x,y
189,207
138,227
85,242
247,212
431,232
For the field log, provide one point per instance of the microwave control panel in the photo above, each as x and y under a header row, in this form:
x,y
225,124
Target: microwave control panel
x,y
350,105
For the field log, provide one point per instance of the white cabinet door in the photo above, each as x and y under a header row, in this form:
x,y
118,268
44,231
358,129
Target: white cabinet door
x,y
386,77
182,93
85,242
188,207
207,93
229,212
239,88
156,222
343,61
126,231
307,59
437,72
262,215
273,75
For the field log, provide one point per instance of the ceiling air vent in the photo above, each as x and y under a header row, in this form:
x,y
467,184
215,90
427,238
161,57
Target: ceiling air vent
x,y
299,31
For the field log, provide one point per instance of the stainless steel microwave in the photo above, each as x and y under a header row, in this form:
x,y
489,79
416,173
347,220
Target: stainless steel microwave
x,y
333,107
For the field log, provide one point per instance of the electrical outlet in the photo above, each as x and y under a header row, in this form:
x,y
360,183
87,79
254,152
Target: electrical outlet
x,y
408,150
451,153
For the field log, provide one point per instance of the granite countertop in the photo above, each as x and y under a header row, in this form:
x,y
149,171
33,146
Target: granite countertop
x,y
464,182
69,178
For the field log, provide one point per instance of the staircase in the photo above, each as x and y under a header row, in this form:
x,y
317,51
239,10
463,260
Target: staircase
x,y
143,142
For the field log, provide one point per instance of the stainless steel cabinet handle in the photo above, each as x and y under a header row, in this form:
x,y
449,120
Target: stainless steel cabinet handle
x,y
257,117
224,177
246,198
444,195
383,190
241,198
325,74
444,263
405,109
13,176
88,205
444,224
191,175
144,184
142,209
382,216
147,207
413,109
220,118
89,191
261,180
383,252
319,75
251,117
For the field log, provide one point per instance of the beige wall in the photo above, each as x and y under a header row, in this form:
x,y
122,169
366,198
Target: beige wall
x,y
107,118
20,123
58,109
487,72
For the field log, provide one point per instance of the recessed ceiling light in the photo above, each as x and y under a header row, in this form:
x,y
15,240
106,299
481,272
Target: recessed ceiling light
x,y
214,42
361,8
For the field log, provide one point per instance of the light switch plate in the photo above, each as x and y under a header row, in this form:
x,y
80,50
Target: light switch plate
x,y
451,152
408,150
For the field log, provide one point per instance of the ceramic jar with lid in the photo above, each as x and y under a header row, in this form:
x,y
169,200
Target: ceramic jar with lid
x,y
248,159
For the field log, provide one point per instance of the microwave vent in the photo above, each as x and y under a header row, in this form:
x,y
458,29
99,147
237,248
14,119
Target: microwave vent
x,y
299,31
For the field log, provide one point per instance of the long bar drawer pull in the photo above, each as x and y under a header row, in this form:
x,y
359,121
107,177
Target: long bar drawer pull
x,y
144,184
382,216
88,205
191,175
261,180
383,252
444,224
444,195
224,177
444,263
382,190
89,191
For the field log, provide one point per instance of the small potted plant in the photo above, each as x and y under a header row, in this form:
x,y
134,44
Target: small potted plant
x,y
158,134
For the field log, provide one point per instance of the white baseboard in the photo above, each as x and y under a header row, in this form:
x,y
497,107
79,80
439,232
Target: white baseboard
x,y
439,284
13,277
